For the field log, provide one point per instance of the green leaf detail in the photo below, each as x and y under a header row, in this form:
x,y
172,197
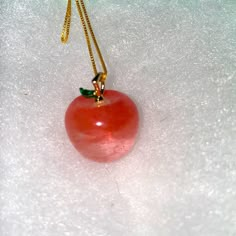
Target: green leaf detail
x,y
87,93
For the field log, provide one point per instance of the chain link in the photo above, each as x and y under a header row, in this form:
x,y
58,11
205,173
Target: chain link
x,y
86,24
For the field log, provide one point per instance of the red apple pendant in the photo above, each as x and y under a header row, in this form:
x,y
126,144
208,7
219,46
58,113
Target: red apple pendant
x,y
103,131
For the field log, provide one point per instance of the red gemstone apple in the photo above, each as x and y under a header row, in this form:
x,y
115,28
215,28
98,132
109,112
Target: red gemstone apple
x,y
103,131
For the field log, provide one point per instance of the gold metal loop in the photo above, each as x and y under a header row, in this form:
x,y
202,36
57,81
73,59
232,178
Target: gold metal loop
x,y
99,86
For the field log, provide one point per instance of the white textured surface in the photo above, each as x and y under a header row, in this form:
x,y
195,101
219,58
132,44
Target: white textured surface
x,y
177,59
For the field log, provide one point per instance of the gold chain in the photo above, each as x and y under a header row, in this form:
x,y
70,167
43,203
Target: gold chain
x,y
85,21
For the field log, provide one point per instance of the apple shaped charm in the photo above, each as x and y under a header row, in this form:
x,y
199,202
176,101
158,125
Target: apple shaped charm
x,y
103,131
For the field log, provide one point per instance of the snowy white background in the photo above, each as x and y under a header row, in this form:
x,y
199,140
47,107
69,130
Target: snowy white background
x,y
177,60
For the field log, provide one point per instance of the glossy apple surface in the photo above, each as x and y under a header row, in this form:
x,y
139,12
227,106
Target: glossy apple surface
x,y
105,131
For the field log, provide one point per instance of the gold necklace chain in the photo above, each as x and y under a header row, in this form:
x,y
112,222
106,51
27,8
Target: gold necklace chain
x,y
85,21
